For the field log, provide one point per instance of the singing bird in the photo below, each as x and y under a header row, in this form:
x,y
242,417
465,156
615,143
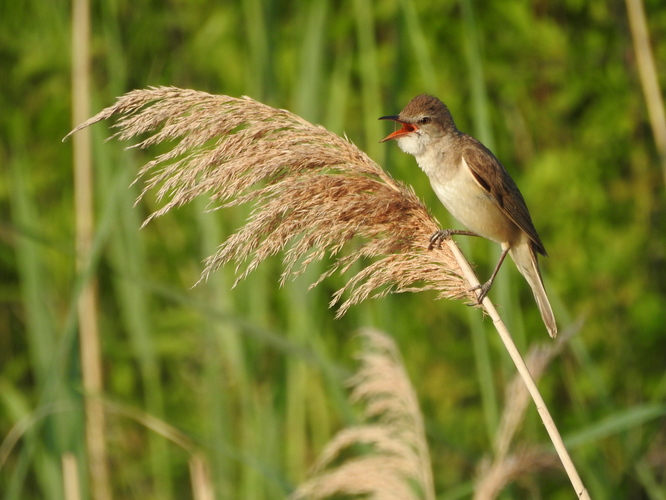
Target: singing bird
x,y
475,188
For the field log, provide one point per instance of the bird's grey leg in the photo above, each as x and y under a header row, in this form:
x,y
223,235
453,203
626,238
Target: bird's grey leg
x,y
485,288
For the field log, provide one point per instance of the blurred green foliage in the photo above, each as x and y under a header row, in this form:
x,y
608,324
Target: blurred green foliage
x,y
253,376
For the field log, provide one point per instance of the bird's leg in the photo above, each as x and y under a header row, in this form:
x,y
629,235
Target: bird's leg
x,y
485,288
444,234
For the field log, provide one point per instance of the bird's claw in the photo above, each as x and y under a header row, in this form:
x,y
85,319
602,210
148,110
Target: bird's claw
x,y
485,288
439,236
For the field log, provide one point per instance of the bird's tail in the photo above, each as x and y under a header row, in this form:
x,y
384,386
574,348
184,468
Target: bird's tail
x,y
526,262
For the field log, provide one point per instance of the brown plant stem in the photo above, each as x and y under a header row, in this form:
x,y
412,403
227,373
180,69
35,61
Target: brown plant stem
x,y
647,72
524,372
70,477
202,487
91,361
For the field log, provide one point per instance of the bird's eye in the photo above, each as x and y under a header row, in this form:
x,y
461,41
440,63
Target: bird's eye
x,y
424,120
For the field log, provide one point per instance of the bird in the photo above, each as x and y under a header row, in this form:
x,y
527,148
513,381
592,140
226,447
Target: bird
x,y
476,189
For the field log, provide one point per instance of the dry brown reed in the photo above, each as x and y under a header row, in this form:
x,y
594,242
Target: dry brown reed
x,y
511,468
517,398
649,76
395,462
313,192
88,303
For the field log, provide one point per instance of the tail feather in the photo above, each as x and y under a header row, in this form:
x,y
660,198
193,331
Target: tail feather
x,y
526,262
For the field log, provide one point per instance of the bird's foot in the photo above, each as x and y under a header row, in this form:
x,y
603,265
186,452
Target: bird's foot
x,y
485,288
444,234
439,236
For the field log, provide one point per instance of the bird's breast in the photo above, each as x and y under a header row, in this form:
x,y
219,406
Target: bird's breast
x,y
470,204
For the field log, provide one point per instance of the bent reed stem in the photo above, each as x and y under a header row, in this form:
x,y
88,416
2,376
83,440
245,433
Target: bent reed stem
x,y
525,374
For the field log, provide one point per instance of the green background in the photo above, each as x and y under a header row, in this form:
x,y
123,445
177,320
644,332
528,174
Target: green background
x,y
254,376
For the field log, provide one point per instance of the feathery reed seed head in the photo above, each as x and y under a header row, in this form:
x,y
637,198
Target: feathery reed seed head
x,y
313,192
397,462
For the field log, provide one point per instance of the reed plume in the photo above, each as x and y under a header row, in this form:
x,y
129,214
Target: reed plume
x,y
312,191
396,461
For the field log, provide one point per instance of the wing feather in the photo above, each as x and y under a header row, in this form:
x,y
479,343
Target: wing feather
x,y
493,177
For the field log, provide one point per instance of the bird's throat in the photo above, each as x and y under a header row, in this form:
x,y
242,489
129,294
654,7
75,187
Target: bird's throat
x,y
413,143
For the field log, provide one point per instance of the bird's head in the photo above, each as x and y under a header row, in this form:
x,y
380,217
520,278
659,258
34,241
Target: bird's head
x,y
424,120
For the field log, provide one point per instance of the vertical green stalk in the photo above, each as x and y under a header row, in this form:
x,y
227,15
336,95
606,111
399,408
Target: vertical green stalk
x,y
58,376
259,47
299,328
226,373
36,295
301,310
311,74
371,102
257,427
338,91
482,127
419,42
128,260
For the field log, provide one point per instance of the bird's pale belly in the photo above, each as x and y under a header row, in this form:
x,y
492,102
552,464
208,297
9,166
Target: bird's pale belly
x,y
474,208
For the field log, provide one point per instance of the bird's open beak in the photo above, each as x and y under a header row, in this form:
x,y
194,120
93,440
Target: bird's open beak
x,y
407,128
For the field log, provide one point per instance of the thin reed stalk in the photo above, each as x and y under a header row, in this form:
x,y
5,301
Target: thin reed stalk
x,y
647,71
524,373
91,360
70,477
504,467
202,487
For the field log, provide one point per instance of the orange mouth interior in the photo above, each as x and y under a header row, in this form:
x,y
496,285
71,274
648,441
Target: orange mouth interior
x,y
407,128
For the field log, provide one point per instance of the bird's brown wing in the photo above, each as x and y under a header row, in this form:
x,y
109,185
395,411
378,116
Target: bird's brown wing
x,y
491,176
